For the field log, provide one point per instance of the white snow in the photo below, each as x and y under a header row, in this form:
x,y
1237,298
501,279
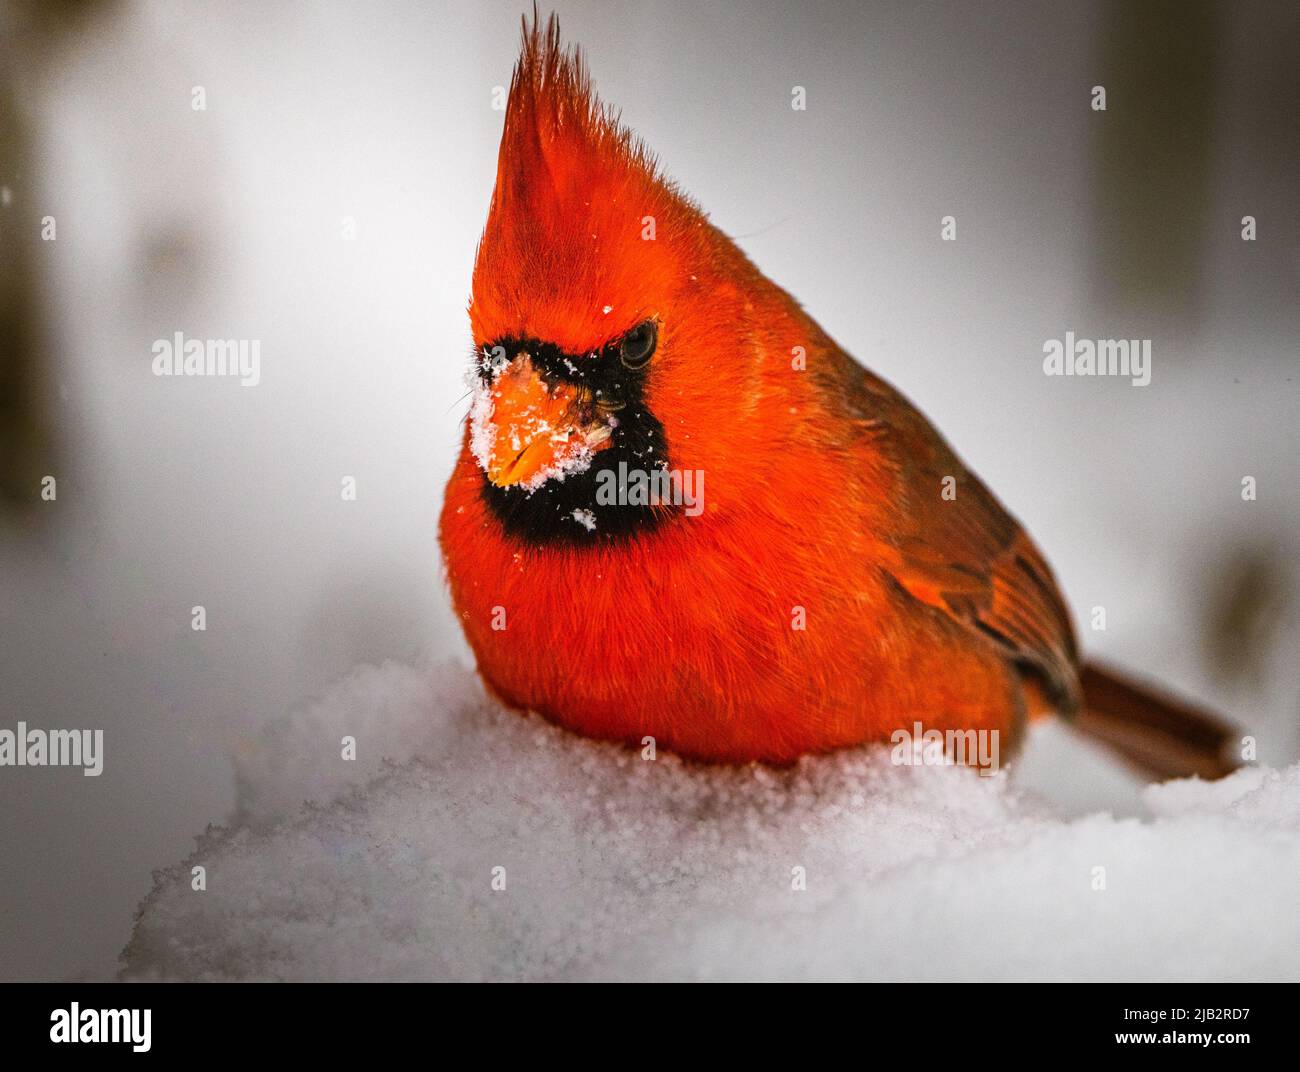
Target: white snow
x,y
482,431
617,867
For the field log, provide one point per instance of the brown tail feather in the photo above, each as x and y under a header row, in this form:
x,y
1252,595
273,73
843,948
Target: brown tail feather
x,y
1159,736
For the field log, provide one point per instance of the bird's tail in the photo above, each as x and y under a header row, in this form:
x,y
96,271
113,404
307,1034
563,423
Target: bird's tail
x,y
1157,735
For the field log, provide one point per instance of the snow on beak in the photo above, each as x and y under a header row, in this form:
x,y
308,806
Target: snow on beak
x,y
524,430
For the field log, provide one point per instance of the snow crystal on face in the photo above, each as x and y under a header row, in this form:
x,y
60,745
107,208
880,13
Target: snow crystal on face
x,y
482,432
615,867
572,448
572,456
586,519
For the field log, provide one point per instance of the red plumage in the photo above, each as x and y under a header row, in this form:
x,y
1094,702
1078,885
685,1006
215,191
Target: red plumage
x,y
824,489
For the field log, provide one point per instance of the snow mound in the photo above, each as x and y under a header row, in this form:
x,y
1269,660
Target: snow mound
x,y
616,867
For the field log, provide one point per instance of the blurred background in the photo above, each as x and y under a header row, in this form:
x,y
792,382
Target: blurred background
x,y
326,201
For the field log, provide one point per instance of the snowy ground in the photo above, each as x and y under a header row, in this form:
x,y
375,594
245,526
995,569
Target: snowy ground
x,y
619,868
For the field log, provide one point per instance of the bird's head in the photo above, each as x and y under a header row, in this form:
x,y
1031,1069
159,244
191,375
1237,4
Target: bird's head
x,y
611,320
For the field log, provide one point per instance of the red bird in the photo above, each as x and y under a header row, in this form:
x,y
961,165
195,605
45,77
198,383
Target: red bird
x,y
681,511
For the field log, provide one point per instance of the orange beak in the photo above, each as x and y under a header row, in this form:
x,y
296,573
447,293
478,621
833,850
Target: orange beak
x,y
540,429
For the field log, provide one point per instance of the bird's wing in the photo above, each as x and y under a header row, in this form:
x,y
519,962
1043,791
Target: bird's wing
x,y
961,552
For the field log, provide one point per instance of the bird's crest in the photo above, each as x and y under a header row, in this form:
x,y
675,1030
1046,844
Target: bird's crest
x,y
580,232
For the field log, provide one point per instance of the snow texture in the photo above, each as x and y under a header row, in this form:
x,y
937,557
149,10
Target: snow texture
x,y
621,868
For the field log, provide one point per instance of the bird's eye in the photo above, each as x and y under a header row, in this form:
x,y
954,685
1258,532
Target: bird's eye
x,y
638,345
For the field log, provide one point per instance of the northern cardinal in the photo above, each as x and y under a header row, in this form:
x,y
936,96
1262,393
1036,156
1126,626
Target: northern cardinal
x,y
681,511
